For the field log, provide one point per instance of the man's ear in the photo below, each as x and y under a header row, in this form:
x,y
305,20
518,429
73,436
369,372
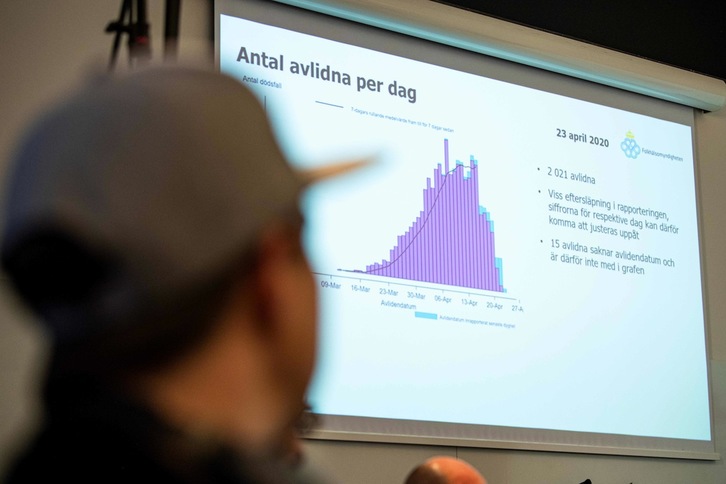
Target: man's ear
x,y
273,280
285,301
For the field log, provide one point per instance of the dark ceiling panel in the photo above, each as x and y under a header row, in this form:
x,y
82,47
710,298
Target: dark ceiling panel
x,y
686,34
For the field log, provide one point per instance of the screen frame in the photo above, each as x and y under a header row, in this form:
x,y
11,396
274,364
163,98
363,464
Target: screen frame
x,y
385,430
440,23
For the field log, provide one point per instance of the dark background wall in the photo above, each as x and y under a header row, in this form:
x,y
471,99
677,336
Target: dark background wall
x,y
686,34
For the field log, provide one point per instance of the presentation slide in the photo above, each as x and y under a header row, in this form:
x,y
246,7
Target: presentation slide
x,y
512,258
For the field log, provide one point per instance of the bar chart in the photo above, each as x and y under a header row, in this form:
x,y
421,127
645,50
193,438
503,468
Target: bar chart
x,y
451,241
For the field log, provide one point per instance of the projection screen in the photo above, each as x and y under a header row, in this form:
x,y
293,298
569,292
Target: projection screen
x,y
520,266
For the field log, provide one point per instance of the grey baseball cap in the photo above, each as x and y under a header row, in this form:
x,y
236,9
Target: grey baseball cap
x,y
135,190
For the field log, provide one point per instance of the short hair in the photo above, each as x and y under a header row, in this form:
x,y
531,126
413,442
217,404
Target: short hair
x,y
424,474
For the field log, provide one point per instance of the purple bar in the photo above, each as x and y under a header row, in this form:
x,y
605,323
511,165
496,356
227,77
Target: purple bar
x,y
459,213
490,258
470,249
446,154
481,252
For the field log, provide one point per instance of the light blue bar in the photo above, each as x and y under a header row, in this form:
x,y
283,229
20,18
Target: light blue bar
x,y
423,315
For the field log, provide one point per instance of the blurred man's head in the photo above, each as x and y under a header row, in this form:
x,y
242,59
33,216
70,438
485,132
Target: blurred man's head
x,y
445,470
152,223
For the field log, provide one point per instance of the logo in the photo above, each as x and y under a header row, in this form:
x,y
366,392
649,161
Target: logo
x,y
630,146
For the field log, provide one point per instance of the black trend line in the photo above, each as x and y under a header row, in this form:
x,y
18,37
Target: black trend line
x,y
423,225
329,104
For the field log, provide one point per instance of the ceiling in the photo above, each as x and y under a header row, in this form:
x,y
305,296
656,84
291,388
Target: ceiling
x,y
687,34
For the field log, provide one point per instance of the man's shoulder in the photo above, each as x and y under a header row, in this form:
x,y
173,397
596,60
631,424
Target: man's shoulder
x,y
84,455
97,454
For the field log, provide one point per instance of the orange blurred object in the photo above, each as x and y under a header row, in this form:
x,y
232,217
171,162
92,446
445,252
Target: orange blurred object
x,y
445,470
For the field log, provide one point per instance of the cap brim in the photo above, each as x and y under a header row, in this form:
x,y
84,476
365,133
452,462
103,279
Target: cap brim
x,y
315,175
